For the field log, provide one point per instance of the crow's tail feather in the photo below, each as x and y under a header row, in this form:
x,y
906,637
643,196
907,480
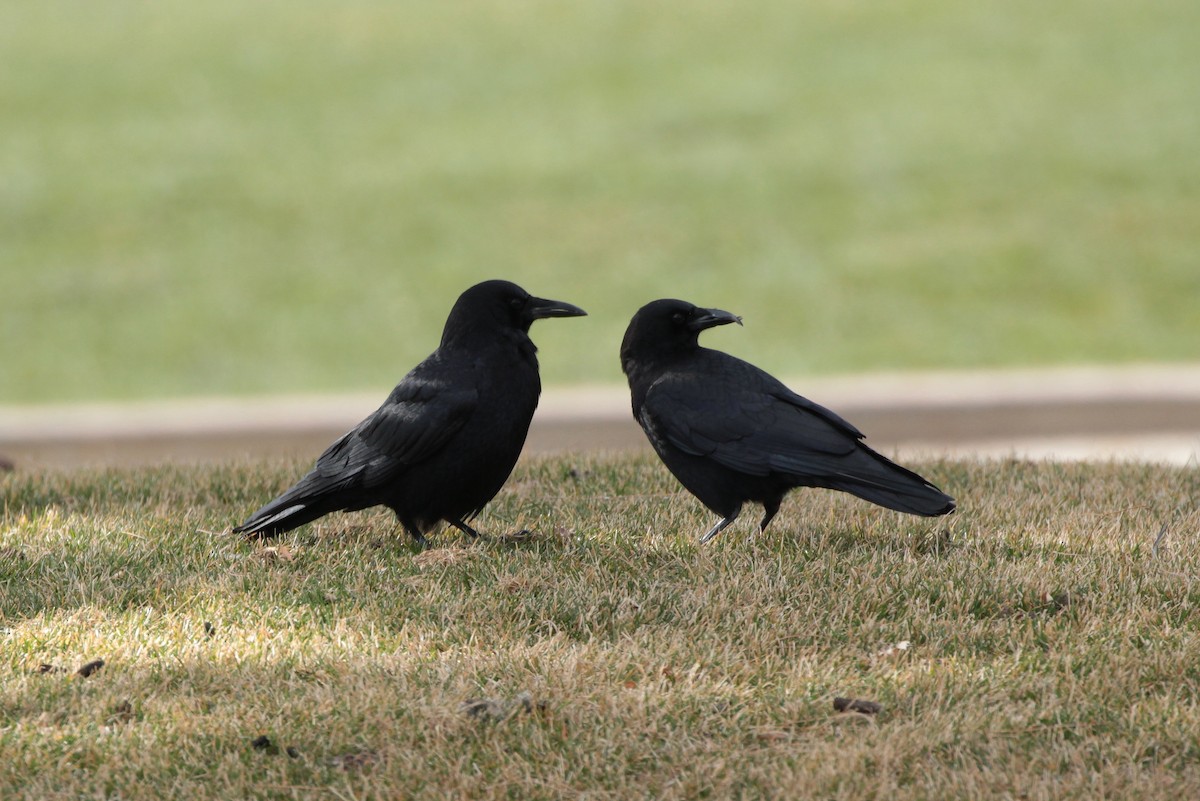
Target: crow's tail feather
x,y
879,480
277,518
309,498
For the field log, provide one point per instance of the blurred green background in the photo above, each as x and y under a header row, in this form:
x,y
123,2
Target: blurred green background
x,y
230,197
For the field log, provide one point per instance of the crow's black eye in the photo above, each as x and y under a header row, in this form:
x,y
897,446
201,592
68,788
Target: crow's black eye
x,y
678,318
517,303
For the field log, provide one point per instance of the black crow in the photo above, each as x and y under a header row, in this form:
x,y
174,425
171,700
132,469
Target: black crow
x,y
444,442
731,433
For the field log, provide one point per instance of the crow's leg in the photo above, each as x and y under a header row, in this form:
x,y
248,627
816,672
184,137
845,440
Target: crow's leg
x,y
414,531
721,524
770,509
464,528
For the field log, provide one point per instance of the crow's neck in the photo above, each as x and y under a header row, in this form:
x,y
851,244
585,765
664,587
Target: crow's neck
x,y
476,339
643,369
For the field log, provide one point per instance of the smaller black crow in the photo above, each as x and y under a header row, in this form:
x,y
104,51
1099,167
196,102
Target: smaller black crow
x,y
444,442
731,433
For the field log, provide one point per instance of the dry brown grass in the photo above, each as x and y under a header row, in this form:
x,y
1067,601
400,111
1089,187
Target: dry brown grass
x,y
1038,644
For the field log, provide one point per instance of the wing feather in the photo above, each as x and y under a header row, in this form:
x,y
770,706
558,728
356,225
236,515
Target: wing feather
x,y
414,423
748,421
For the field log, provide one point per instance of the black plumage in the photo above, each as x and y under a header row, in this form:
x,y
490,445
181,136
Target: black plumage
x,y
732,433
445,441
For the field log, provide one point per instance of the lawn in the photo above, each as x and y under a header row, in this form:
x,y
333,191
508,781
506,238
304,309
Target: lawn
x,y
1041,643
225,197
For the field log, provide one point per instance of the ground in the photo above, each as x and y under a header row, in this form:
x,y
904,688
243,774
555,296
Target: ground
x,y
1040,643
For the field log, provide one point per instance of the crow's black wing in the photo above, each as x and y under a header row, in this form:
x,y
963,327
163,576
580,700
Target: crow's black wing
x,y
416,421
747,421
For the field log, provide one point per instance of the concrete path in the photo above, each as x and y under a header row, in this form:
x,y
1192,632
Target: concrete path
x,y
1148,412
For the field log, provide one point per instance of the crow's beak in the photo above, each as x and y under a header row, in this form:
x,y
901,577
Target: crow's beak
x,y
537,308
711,318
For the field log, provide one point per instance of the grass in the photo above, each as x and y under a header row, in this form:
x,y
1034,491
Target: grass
x,y
226,197
1042,643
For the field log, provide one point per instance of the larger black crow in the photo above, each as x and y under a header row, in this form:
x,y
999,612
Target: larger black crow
x,y
731,433
444,442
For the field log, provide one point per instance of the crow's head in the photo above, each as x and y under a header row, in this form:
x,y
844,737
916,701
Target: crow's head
x,y
666,327
502,305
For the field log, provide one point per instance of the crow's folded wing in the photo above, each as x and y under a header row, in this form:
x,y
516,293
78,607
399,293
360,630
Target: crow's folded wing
x,y
415,422
750,423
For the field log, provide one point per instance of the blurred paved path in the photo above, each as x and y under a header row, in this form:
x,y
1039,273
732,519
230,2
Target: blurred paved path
x,y
1147,412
